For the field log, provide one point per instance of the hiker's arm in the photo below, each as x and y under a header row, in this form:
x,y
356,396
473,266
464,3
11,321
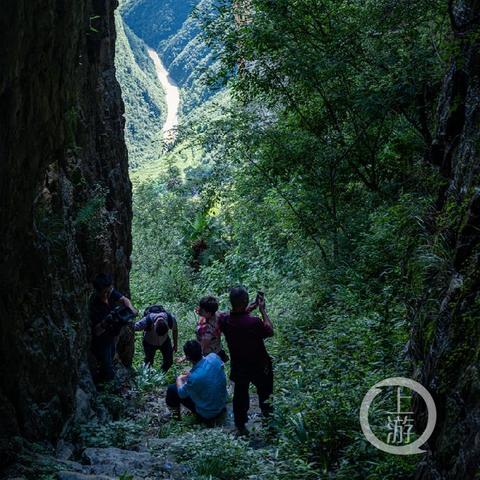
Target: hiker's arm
x,y
127,303
182,387
267,323
141,324
251,307
180,381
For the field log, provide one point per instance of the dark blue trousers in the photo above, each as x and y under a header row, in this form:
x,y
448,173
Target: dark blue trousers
x,y
104,353
173,400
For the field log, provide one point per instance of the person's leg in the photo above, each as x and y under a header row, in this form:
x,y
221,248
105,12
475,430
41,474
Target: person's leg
x,y
149,351
167,354
188,402
173,400
263,382
241,403
105,353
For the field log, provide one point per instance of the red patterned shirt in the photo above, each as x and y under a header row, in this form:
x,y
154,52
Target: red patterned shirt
x,y
209,335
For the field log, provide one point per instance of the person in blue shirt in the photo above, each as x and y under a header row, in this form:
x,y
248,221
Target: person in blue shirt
x,y
204,389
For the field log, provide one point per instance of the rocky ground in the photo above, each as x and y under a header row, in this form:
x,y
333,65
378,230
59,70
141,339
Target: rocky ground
x,y
132,435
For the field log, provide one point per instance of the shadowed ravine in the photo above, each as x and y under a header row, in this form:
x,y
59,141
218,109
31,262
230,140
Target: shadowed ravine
x,y
328,156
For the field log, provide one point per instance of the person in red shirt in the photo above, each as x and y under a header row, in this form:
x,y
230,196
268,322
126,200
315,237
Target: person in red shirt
x,y
250,362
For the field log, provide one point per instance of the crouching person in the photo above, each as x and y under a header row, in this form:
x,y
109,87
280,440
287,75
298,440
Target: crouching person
x,y
204,389
156,323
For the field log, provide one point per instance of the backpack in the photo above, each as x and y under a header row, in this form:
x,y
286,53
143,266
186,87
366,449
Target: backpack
x,y
160,309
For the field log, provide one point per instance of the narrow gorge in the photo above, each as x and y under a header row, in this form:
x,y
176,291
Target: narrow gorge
x,y
324,154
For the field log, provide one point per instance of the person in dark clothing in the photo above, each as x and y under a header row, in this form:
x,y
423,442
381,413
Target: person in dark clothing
x,y
104,333
250,362
156,325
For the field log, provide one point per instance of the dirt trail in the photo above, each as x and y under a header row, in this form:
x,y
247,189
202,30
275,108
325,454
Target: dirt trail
x,y
158,451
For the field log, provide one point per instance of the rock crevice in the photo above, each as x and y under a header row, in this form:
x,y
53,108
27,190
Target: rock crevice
x,y
446,337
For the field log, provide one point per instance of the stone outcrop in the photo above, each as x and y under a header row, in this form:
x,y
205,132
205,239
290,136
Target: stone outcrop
x,y
115,462
65,201
446,337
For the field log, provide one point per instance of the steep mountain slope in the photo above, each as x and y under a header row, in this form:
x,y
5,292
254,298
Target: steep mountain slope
x,y
174,33
156,20
143,96
446,338
187,59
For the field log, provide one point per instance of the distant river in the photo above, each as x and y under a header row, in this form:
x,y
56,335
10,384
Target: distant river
x,y
172,96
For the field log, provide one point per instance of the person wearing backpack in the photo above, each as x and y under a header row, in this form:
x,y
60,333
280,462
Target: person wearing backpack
x,y
155,324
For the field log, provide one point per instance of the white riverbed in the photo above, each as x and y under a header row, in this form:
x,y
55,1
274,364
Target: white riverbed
x,y
172,97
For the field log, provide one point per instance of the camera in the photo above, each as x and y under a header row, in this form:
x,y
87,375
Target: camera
x,y
260,296
118,318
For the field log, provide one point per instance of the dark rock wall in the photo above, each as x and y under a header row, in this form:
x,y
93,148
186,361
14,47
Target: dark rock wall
x,y
446,338
65,203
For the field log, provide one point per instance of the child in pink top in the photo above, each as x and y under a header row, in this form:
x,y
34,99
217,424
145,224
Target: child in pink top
x,y
207,329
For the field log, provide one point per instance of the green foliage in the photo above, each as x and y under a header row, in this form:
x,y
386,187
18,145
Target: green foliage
x,y
91,212
124,433
148,379
305,178
331,369
340,328
214,455
125,476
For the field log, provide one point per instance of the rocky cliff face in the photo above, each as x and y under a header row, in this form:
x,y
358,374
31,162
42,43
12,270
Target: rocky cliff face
x,y
447,331
65,203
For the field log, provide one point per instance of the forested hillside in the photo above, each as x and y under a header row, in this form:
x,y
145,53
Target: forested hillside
x,y
143,97
315,177
335,167
170,29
